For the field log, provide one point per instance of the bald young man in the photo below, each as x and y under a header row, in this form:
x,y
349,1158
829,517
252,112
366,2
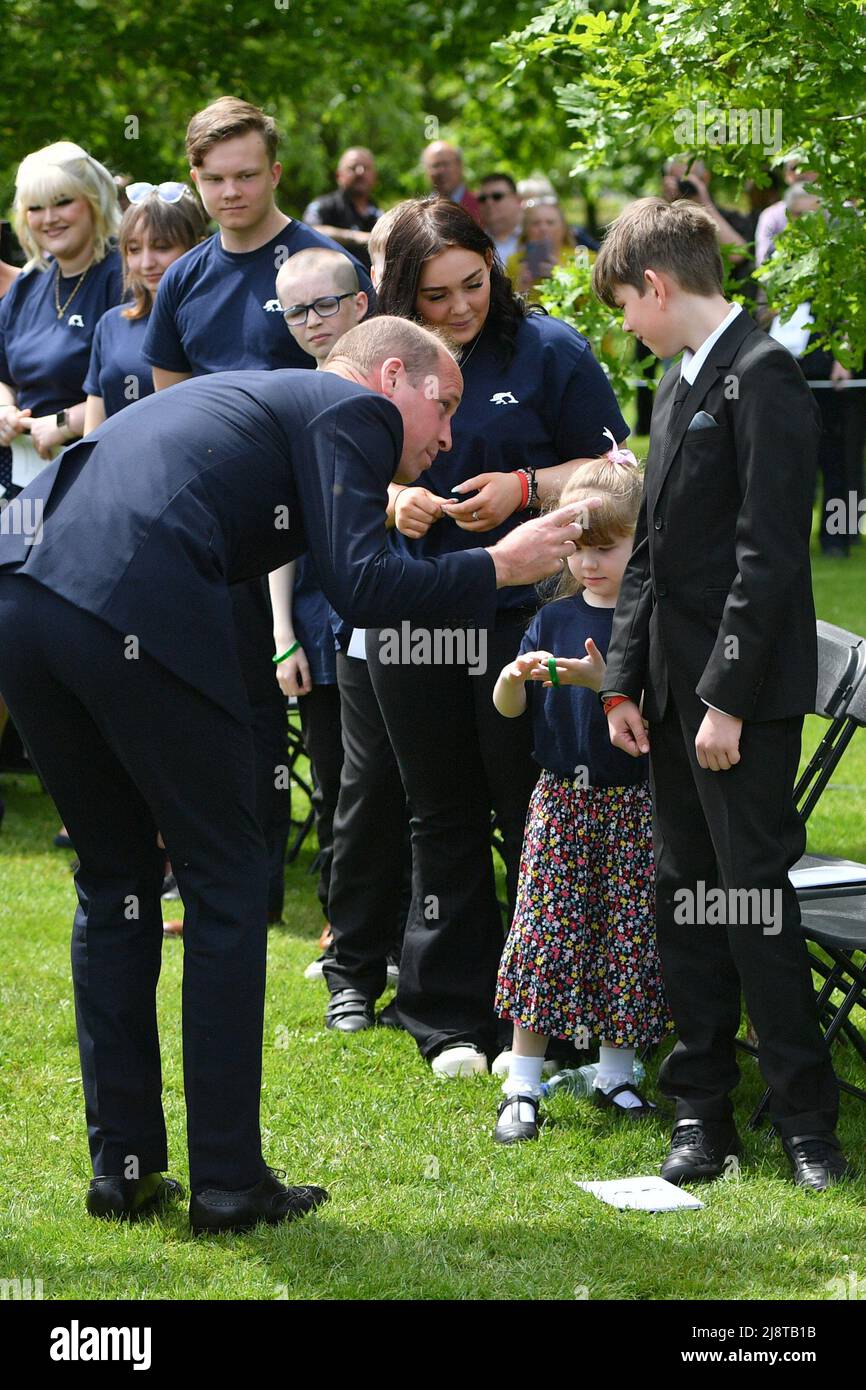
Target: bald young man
x,y
118,663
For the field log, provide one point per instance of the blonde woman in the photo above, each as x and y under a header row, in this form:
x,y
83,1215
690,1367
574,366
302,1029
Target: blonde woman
x,y
545,240
66,217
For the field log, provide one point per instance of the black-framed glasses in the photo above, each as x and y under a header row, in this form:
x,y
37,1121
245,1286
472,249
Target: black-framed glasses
x,y
296,314
166,192
492,197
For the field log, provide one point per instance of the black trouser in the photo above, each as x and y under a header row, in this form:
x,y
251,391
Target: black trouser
x,y
323,741
255,645
367,903
735,830
125,748
459,758
833,468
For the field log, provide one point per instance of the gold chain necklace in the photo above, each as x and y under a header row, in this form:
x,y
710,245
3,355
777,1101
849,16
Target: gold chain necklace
x,y
61,310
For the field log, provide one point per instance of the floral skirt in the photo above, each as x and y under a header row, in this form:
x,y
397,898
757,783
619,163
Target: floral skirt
x,y
582,953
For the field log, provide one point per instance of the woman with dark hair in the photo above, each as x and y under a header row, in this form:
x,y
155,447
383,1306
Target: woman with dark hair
x,y
535,403
160,224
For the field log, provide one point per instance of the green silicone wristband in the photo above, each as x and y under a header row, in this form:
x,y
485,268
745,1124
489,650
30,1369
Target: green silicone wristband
x,y
551,667
292,649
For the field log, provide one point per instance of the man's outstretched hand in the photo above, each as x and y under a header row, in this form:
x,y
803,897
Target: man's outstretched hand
x,y
539,548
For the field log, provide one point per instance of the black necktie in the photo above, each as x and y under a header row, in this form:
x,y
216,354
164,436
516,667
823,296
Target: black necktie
x,y
683,389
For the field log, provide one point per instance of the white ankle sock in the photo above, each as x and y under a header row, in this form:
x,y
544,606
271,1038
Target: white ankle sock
x,y
524,1076
616,1068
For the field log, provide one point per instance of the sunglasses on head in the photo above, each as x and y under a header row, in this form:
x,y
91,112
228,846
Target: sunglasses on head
x,y
167,192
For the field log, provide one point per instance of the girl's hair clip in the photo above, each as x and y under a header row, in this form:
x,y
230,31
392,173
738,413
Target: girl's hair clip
x,y
618,455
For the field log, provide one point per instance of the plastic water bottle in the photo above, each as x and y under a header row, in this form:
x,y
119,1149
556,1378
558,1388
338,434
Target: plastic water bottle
x,y
579,1081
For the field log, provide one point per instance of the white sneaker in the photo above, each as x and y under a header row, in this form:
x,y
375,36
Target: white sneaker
x,y
503,1062
463,1059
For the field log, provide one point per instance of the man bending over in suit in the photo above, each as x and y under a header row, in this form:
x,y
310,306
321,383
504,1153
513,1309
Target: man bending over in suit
x,y
715,628
118,662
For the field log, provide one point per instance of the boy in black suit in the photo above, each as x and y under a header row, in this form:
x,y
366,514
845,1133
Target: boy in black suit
x,y
715,627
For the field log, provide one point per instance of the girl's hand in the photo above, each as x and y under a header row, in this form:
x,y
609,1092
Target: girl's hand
x,y
46,436
523,666
628,729
415,511
498,497
585,670
293,674
12,423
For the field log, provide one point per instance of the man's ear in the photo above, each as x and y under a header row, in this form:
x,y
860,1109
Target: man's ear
x,y
391,374
193,173
276,171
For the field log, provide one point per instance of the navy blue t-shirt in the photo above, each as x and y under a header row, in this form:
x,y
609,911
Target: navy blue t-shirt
x,y
568,724
218,311
549,404
118,372
43,358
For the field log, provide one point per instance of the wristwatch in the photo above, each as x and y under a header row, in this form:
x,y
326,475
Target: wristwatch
x,y
61,419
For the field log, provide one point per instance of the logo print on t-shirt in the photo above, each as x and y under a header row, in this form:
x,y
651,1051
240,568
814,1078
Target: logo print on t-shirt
x,y
272,306
75,321
504,398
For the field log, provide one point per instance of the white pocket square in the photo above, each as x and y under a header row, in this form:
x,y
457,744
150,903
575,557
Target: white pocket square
x,y
703,421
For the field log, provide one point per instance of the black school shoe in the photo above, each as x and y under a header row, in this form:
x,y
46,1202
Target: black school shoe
x,y
213,1211
350,1011
817,1160
606,1100
698,1150
130,1199
510,1129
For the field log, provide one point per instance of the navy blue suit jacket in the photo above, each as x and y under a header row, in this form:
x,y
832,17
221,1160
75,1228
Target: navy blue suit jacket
x,y
223,478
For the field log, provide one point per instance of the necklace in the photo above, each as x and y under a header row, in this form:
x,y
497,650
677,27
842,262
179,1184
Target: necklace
x,y
61,309
463,360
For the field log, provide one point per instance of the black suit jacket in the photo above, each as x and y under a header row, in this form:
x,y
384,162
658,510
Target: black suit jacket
x,y
224,478
716,602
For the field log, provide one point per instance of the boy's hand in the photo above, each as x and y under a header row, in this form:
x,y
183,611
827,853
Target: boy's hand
x,y
627,729
717,742
523,666
584,670
293,674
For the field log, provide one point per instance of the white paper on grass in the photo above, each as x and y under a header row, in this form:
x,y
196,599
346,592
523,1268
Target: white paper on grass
x,y
640,1194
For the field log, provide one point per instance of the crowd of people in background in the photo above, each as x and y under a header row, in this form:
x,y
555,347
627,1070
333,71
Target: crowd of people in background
x,y
127,290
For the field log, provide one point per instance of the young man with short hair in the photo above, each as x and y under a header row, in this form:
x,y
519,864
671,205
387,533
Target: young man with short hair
x,y
715,630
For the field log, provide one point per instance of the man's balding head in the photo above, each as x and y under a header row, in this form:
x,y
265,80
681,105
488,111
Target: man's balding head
x,y
443,165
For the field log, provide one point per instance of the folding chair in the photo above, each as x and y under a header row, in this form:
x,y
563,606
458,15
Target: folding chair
x,y
831,891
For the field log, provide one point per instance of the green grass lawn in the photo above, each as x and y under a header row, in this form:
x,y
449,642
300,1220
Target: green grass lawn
x,y
424,1204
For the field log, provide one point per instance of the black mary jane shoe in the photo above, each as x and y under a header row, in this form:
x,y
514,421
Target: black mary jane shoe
x,y
349,1011
817,1160
510,1129
213,1211
606,1100
131,1199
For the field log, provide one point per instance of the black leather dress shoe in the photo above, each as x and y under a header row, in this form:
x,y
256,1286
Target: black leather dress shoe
x,y
270,1200
349,1011
129,1199
817,1160
698,1151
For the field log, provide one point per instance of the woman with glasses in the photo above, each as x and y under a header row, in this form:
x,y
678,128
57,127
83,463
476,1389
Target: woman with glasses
x,y
66,218
535,401
160,224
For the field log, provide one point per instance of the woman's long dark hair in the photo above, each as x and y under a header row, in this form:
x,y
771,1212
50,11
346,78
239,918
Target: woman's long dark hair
x,y
424,229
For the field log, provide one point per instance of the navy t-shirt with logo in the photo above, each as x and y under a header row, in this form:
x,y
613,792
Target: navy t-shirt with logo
x,y
550,403
45,358
569,729
118,372
218,311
